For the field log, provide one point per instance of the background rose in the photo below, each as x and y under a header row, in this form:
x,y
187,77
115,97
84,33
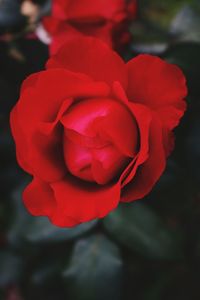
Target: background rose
x,y
112,121
106,20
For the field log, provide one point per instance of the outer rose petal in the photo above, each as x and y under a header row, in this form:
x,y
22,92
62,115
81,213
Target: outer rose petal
x,y
39,198
158,85
143,116
42,99
92,57
150,171
29,82
83,202
39,152
45,155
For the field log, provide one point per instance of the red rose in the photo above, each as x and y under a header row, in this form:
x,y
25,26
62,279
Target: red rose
x,y
94,131
106,20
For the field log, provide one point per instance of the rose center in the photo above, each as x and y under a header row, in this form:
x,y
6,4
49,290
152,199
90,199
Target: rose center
x,y
100,139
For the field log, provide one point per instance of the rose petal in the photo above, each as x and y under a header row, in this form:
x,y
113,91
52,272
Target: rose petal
x,y
144,117
159,85
30,81
45,155
151,170
107,164
119,93
42,102
92,57
39,198
83,202
78,159
92,159
121,129
109,119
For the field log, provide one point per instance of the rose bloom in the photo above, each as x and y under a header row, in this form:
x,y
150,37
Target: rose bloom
x,y
94,131
106,20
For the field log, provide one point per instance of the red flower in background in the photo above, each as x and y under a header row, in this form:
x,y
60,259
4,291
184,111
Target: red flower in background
x,y
106,20
94,131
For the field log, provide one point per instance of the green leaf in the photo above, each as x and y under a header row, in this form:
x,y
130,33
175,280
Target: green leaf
x,y
10,268
95,270
40,230
26,228
138,227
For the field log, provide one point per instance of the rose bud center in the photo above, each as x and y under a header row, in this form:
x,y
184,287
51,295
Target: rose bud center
x,y
100,139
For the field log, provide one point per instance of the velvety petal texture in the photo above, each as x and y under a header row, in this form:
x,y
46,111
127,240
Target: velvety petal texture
x,y
94,131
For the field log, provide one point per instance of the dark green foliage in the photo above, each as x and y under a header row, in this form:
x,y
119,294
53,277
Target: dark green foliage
x,y
95,263
140,229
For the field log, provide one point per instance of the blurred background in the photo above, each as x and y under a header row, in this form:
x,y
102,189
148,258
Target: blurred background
x,y
148,250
